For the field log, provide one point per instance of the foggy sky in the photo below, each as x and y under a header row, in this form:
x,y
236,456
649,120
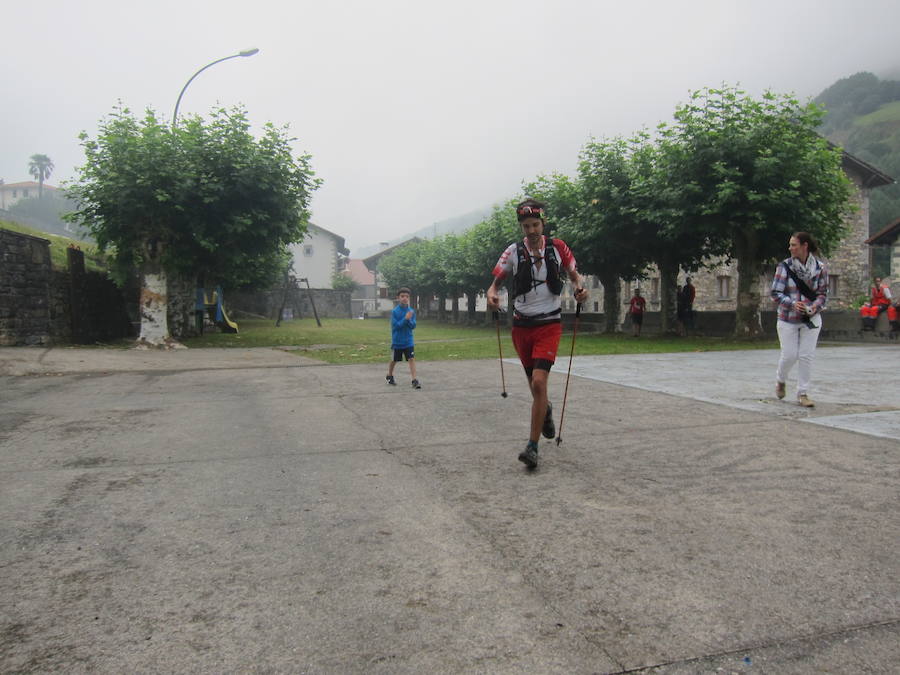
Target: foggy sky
x,y
417,111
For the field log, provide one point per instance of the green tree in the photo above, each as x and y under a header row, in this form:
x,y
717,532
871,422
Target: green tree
x,y
40,166
597,216
481,248
343,282
756,170
407,266
205,200
665,229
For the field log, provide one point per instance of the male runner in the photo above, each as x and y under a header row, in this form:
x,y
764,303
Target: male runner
x,y
538,265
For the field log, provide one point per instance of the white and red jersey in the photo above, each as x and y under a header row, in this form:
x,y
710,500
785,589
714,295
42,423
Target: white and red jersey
x,y
540,300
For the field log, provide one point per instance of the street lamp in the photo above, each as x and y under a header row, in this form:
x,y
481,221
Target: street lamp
x,y
246,52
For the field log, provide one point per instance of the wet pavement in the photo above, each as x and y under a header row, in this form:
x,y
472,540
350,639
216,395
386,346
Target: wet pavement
x,y
253,510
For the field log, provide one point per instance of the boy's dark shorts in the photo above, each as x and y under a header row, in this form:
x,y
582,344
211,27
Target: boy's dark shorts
x,y
637,319
408,352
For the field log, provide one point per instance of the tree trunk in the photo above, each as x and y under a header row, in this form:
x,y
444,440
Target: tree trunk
x,y
154,298
455,307
611,307
747,322
668,284
284,295
442,308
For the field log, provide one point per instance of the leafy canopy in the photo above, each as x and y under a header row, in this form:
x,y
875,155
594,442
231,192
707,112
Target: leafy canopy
x,y
222,203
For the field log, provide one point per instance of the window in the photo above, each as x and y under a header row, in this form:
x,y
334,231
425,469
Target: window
x,y
654,290
595,282
15,193
596,306
724,284
307,250
382,292
833,286
25,193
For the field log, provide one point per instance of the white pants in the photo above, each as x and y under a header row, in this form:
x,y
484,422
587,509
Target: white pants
x,y
798,343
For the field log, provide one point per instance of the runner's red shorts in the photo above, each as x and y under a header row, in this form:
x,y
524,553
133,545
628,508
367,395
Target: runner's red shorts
x,y
537,343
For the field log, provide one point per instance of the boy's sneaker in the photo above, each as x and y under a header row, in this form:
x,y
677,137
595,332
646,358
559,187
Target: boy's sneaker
x,y
390,379
549,429
805,401
415,384
780,389
529,456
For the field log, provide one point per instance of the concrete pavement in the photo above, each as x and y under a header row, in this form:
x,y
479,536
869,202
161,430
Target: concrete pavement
x,y
253,510
855,388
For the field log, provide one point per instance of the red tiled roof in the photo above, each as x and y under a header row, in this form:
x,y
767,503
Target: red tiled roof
x,y
359,272
27,184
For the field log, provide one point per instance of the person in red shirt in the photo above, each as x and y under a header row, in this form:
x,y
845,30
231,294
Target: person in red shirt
x,y
881,296
636,307
537,265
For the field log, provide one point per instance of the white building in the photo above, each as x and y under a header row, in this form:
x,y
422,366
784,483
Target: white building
x,y
318,257
10,193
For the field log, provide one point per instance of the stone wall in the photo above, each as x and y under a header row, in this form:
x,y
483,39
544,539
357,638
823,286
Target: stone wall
x,y
24,289
40,305
329,303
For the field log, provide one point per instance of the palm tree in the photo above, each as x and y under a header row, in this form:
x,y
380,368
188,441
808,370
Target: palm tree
x,y
40,166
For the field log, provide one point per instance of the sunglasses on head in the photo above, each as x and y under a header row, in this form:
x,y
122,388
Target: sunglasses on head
x,y
530,211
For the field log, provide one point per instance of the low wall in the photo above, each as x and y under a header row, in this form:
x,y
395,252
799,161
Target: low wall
x,y
25,289
40,305
329,303
839,325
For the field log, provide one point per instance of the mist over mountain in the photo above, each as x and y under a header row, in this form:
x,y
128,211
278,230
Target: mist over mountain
x,y
454,225
863,117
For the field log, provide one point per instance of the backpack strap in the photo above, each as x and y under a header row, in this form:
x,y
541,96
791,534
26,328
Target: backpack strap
x,y
801,285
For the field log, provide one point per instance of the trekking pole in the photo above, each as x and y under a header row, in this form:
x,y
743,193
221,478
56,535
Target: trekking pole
x,y
500,350
562,415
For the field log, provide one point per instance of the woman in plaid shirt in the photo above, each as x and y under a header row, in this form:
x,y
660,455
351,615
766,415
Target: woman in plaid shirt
x,y
799,317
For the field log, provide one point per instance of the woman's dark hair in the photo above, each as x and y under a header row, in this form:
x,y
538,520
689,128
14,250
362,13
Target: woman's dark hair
x,y
807,238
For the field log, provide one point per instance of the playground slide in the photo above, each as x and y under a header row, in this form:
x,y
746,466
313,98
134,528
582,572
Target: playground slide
x,y
225,324
204,303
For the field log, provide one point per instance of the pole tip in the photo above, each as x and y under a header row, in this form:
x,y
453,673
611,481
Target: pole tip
x,y
504,394
558,440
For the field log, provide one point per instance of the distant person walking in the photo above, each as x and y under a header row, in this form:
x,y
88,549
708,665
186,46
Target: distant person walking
x,y
636,307
688,295
403,323
800,289
537,264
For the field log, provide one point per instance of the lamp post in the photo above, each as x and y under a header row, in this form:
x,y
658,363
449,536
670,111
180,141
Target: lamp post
x,y
246,52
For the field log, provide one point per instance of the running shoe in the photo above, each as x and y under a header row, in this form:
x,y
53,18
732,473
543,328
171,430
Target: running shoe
x,y
529,456
549,429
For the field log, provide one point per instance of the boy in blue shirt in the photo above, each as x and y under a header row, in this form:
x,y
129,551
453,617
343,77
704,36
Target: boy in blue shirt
x,y
403,323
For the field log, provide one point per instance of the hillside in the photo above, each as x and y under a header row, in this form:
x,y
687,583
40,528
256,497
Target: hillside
x,y
46,215
58,245
863,117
